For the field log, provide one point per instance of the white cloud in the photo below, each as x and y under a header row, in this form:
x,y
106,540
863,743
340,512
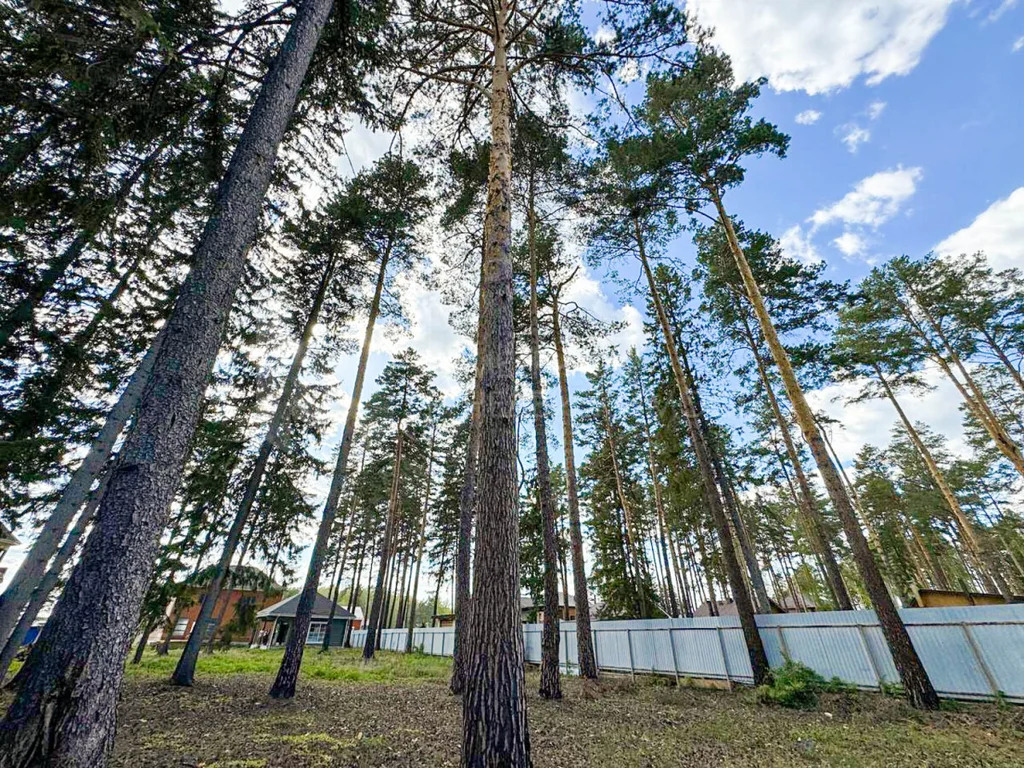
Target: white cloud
x,y
1018,43
875,109
818,46
998,231
808,117
873,201
796,244
853,136
850,243
871,422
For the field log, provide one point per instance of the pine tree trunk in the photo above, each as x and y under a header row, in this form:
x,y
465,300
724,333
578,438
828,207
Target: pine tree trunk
x,y
185,671
42,591
633,554
467,508
288,672
22,312
550,680
413,595
584,637
29,574
709,577
1015,374
989,570
40,394
146,632
495,730
976,402
350,524
744,607
915,679
815,525
65,711
730,503
658,505
377,618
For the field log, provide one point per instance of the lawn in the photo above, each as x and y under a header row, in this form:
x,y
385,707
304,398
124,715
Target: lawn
x,y
396,711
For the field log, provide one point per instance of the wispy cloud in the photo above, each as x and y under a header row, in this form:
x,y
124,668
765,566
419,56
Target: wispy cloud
x,y
808,117
853,135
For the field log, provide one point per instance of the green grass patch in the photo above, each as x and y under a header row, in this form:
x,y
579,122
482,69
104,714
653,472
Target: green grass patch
x,y
344,665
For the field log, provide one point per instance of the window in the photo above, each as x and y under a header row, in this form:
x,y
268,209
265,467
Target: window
x,y
179,628
317,632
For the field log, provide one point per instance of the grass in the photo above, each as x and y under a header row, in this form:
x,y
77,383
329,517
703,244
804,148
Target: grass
x,y
337,665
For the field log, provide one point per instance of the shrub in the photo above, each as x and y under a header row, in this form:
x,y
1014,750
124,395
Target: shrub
x,y
797,686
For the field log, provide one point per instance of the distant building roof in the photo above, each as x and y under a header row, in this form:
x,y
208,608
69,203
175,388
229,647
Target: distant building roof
x,y
725,608
806,603
526,602
285,609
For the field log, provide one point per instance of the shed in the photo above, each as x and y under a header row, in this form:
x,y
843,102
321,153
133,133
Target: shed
x,y
277,621
945,598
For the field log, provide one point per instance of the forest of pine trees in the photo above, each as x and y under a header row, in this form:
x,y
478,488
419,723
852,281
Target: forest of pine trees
x,y
190,385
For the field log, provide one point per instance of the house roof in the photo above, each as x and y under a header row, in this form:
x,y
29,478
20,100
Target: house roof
x,y
285,609
7,539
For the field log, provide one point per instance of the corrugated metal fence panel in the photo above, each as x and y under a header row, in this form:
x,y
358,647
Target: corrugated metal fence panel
x,y
969,652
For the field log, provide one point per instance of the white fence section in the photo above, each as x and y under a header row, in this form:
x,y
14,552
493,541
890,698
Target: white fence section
x,y
970,653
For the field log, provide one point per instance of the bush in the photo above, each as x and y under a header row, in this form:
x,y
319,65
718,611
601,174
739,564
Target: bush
x,y
797,686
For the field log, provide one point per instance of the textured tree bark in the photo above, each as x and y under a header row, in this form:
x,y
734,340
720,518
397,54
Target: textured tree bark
x,y
915,679
29,574
288,672
550,679
467,507
46,585
21,313
495,730
990,571
185,670
421,545
744,606
64,713
584,638
814,524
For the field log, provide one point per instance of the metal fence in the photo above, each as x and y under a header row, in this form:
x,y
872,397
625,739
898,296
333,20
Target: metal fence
x,y
970,653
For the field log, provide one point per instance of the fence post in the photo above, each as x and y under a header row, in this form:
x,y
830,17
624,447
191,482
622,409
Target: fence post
x,y
871,658
993,684
593,643
629,645
675,664
725,658
782,644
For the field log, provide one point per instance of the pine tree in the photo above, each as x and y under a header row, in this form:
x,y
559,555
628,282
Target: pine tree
x,y
700,120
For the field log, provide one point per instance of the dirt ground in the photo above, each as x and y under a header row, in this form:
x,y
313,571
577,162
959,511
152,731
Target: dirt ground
x,y
399,713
